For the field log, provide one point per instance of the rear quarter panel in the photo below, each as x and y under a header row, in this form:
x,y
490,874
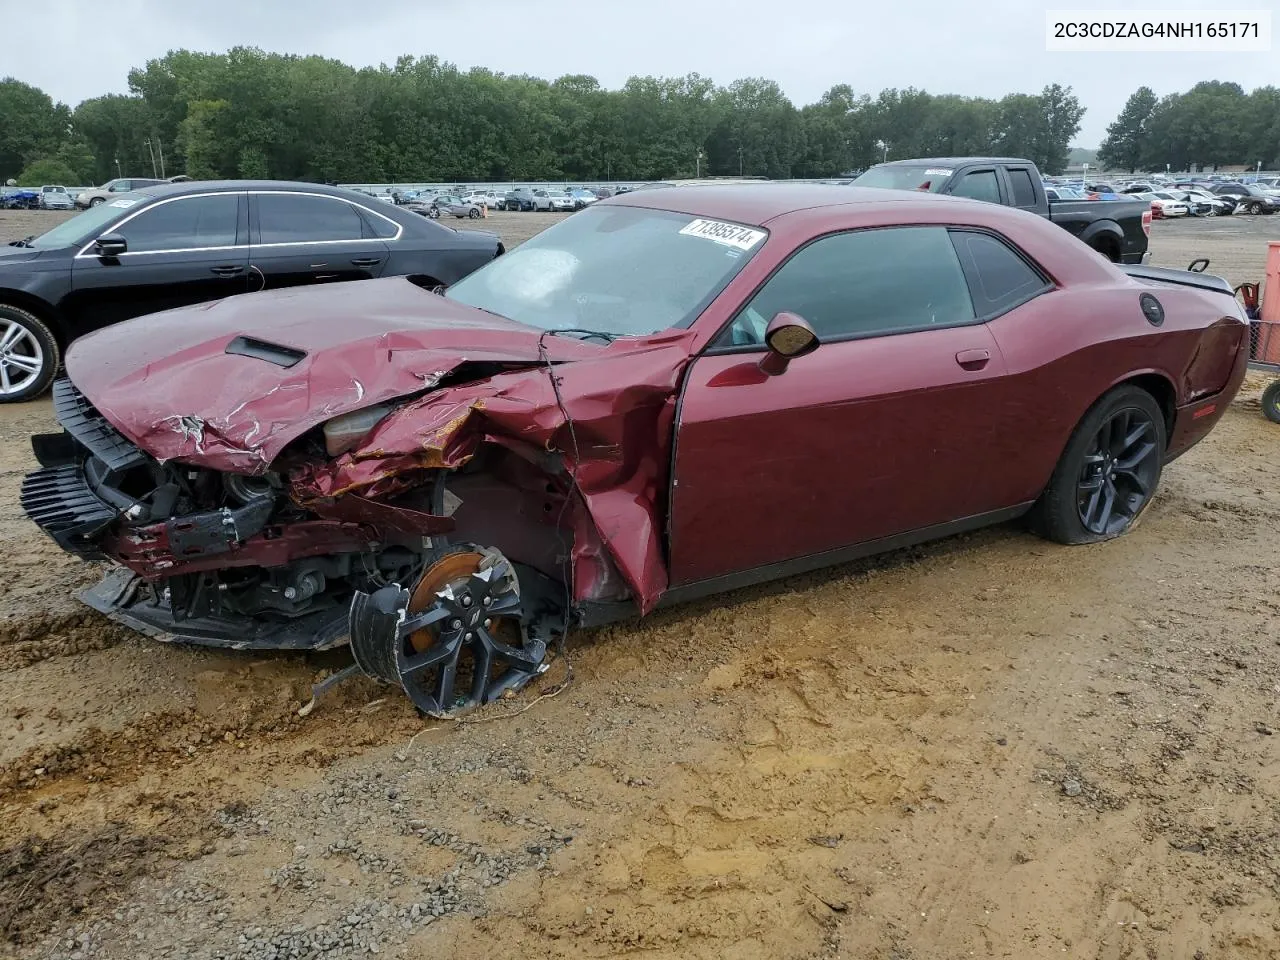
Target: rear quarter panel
x,y
1066,349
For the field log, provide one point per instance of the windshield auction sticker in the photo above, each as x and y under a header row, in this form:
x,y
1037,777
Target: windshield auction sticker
x,y
730,234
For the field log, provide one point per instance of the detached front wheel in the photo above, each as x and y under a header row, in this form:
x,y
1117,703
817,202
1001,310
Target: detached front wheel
x,y
1109,471
29,355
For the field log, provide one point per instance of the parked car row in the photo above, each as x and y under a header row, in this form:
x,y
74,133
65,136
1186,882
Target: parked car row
x,y
546,199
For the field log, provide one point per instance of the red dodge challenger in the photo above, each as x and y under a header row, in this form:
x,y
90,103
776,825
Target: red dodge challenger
x,y
673,393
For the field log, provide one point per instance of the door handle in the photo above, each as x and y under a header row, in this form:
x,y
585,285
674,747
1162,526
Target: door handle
x,y
973,359
366,261
227,269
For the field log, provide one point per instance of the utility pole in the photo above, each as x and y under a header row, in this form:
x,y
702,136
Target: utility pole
x,y
739,159
118,173
160,149
153,156
697,165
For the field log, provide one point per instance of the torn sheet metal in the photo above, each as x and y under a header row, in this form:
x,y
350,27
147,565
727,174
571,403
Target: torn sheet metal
x,y
168,383
622,406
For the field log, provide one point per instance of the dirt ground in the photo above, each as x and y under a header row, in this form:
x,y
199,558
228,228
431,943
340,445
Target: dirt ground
x,y
990,746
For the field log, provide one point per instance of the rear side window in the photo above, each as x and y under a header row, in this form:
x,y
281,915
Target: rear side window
x,y
379,227
297,218
999,277
192,223
978,185
1024,193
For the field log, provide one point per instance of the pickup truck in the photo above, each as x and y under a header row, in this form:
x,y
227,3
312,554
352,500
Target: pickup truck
x,y
1117,229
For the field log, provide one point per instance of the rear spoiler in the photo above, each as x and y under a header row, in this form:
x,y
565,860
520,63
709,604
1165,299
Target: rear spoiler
x,y
1182,278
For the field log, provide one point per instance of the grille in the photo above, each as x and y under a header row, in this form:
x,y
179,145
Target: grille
x,y
60,502
90,428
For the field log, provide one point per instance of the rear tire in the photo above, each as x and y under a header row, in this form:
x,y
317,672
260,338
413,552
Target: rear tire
x,y
1271,402
29,355
1108,473
473,214
1255,208
1108,250
95,201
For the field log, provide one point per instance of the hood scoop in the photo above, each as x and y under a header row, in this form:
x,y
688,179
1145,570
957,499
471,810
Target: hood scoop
x,y
276,353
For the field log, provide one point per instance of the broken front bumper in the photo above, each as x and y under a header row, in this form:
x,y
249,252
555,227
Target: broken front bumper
x,y
129,600
73,498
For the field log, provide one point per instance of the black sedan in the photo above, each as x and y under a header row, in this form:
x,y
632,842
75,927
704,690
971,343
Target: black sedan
x,y
179,244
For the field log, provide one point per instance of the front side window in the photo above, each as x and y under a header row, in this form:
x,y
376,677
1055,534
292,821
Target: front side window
x,y
191,223
978,185
862,284
298,218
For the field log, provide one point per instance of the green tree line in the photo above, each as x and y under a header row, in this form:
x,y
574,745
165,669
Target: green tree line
x,y
248,113
1212,124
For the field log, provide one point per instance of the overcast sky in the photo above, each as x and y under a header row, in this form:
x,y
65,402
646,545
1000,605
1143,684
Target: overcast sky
x,y
987,48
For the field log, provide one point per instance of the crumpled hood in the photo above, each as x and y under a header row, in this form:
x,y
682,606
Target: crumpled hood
x,y
167,383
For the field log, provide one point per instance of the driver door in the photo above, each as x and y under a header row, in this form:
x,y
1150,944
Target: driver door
x,y
182,251
892,425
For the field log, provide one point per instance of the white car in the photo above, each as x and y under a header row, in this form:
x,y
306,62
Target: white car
x,y
1218,206
482,197
55,198
553,200
1162,208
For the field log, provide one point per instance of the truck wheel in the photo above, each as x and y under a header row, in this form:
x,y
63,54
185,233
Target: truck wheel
x,y
1271,402
1108,249
29,355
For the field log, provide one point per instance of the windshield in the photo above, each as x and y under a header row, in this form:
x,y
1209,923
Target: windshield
x,y
905,177
622,271
87,225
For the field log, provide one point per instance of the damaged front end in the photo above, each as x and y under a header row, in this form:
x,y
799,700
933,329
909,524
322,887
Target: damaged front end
x,y
450,536
231,561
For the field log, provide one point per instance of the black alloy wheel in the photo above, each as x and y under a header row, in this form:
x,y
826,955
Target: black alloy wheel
x,y
1119,473
1109,471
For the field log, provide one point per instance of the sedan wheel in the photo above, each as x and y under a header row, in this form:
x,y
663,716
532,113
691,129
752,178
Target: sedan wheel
x,y
28,355
1109,471
95,201
1255,208
473,214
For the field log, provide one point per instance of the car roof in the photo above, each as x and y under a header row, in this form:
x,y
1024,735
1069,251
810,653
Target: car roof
x,y
228,186
759,203
951,161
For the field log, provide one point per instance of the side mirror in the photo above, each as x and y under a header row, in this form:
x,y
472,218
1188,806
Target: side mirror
x,y
110,245
787,336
